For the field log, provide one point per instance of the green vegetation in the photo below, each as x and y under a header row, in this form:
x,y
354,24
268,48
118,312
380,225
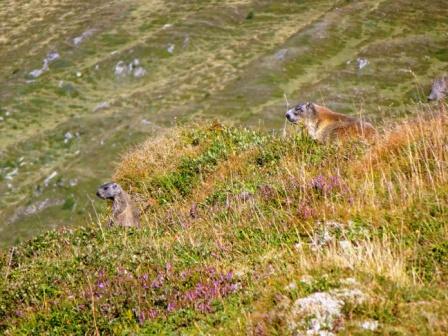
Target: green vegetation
x,y
231,60
242,225
246,231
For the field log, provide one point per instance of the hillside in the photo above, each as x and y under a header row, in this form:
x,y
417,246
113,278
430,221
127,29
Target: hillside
x,y
82,80
252,233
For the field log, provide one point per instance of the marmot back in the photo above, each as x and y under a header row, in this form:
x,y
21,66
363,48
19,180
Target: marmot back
x,y
324,124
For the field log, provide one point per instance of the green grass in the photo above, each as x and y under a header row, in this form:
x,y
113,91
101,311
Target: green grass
x,y
227,71
211,261
246,203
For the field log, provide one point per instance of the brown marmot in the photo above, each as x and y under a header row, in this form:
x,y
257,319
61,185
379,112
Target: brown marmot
x,y
324,124
124,212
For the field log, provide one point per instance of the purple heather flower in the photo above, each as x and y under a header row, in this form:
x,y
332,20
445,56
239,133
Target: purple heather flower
x,y
152,313
184,275
204,307
211,271
305,211
171,307
318,182
158,281
141,318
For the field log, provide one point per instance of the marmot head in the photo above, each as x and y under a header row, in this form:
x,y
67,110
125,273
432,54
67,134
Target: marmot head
x,y
300,111
439,89
109,191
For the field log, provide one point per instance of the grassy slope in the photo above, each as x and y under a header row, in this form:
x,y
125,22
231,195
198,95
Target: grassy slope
x,y
228,69
243,223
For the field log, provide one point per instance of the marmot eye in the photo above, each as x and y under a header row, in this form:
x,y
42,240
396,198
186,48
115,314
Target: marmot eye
x,y
115,186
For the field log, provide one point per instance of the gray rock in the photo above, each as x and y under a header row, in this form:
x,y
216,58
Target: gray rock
x,y
186,41
49,178
371,325
101,106
362,63
52,56
139,72
281,54
439,89
67,137
170,48
79,39
121,69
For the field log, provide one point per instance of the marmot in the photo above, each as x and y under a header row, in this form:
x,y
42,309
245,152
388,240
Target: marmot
x,y
123,208
439,89
324,124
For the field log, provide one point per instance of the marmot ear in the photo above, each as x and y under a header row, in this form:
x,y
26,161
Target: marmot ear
x,y
310,105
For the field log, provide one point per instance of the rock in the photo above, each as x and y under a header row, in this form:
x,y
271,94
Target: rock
x,y
79,39
101,106
320,239
322,313
371,325
67,137
135,62
280,55
36,73
139,72
146,122
186,41
316,314
73,182
34,208
362,63
121,69
291,286
350,282
166,26
439,89
49,178
306,279
346,245
355,296
10,176
170,48
52,56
